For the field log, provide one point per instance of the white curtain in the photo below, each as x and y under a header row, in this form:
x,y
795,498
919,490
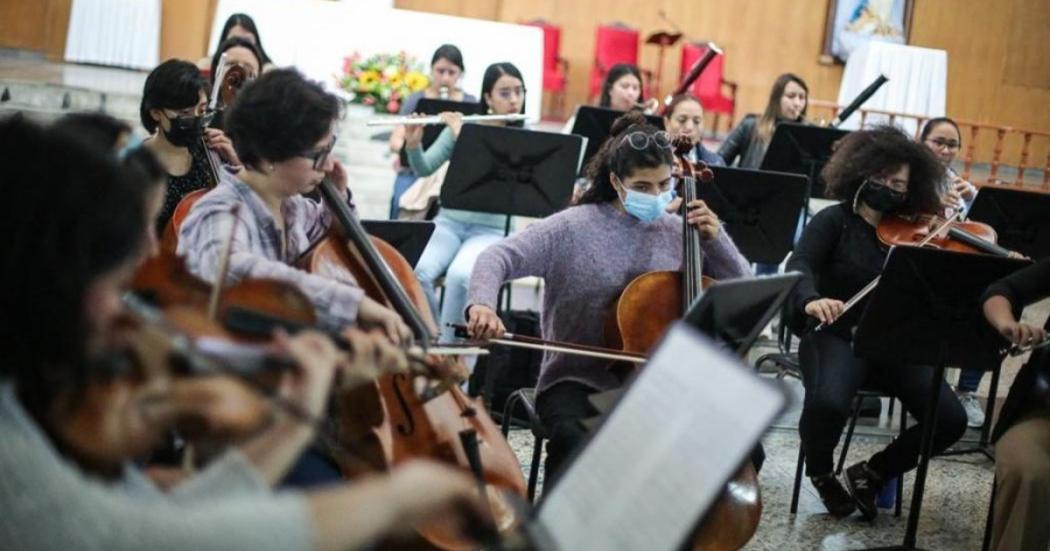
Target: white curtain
x,y
315,36
917,82
121,33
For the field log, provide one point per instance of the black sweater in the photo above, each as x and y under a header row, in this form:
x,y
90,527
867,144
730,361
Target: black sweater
x,y
1022,288
838,254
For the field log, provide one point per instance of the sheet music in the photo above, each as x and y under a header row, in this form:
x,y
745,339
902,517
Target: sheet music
x,y
683,429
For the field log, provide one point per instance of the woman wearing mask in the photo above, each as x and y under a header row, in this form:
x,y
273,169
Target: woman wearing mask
x,y
873,173
174,100
587,254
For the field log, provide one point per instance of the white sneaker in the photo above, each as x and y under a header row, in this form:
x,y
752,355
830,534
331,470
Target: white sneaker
x,y
973,408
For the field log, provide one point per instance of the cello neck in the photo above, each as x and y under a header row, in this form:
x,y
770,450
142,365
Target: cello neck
x,y
391,288
692,257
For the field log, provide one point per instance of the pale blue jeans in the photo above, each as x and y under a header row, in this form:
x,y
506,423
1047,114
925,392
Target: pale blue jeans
x,y
452,251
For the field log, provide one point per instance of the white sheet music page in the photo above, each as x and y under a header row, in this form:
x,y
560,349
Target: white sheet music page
x,y
663,455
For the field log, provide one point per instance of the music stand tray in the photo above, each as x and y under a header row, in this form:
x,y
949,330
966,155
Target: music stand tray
x,y
734,312
759,209
802,149
1020,217
429,106
408,237
594,124
928,305
511,171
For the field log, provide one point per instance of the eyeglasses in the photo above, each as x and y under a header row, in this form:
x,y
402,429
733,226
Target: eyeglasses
x,y
895,193
945,144
508,93
319,156
640,140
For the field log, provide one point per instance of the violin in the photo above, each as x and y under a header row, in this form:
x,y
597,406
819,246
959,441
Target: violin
x,y
647,307
953,235
927,230
390,421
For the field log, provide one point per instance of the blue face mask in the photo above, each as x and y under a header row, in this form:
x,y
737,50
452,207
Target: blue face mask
x,y
647,207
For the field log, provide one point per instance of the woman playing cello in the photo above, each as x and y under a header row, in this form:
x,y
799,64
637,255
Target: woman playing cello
x,y
874,173
587,254
284,129
73,422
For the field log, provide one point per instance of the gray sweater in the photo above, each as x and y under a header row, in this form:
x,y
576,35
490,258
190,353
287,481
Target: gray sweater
x,y
46,502
587,254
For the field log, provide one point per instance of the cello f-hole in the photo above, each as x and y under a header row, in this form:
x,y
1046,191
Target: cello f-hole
x,y
403,428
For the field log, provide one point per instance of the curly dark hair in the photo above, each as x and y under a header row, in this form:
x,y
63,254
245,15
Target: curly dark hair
x,y
278,116
876,152
620,158
71,215
174,84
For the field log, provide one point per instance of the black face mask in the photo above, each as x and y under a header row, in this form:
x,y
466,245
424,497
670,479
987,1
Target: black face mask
x,y
882,198
184,131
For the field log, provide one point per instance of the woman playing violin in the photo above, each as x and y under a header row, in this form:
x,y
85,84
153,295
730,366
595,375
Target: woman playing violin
x,y
174,99
73,420
587,254
284,130
684,118
873,173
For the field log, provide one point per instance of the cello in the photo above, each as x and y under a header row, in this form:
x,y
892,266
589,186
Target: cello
x,y
647,307
392,419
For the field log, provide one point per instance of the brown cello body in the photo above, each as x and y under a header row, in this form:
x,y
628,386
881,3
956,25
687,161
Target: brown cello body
x,y
395,422
648,306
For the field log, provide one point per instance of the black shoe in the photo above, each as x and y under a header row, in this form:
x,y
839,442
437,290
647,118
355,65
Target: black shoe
x,y
836,499
864,485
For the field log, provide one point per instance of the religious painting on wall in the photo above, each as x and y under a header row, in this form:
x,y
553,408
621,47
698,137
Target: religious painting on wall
x,y
852,23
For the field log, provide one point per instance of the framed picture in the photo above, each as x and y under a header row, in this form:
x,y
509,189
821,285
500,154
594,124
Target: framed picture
x,y
852,23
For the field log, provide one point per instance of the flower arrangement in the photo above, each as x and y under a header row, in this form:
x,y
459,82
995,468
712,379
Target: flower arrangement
x,y
382,81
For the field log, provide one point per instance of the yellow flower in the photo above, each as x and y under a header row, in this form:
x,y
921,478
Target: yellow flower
x,y
416,81
368,80
394,81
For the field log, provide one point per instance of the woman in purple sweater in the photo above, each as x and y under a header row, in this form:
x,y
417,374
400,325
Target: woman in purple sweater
x,y
587,254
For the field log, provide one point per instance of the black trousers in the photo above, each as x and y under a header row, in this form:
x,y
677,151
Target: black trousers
x,y
561,408
832,375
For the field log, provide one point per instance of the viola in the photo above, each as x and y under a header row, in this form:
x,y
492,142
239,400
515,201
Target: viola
x,y
647,307
390,420
926,230
934,231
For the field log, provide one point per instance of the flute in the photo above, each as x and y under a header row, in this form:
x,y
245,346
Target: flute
x,y
396,121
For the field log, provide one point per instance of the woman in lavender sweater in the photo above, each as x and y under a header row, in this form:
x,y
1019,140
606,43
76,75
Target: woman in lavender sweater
x,y
587,254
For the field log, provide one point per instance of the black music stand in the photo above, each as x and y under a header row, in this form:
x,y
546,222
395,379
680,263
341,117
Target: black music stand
x,y
1020,217
802,149
759,209
511,171
734,312
594,124
428,106
409,238
928,304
